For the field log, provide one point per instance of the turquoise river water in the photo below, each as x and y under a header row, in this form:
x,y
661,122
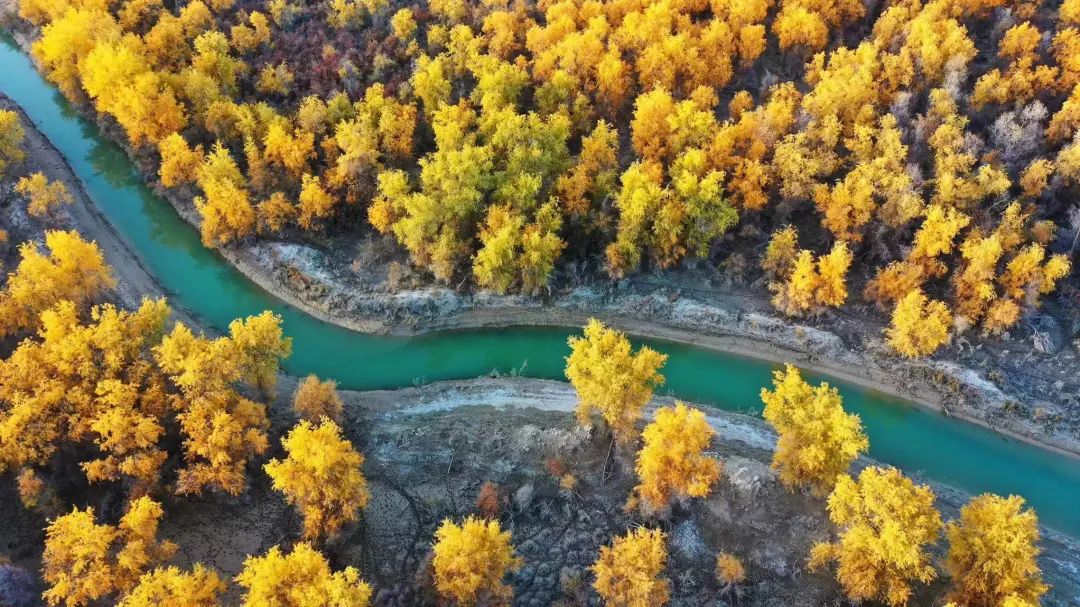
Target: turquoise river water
x,y
915,439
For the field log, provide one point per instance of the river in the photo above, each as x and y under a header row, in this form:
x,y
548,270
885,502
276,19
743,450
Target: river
x,y
913,438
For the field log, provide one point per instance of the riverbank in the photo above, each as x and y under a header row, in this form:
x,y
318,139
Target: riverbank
x,y
428,450
1024,394
745,443
134,282
512,396
724,323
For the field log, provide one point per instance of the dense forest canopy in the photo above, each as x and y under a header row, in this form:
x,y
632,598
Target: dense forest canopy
x,y
924,153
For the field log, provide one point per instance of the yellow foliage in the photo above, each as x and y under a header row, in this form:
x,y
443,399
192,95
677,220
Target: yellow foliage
x,y
919,326
173,587
179,162
275,79
993,548
973,281
300,579
886,523
513,251
1022,80
611,380
321,477
797,26
227,213
11,139
245,38
316,399
403,23
1066,122
651,131
628,571
593,177
1068,162
73,270
289,148
135,15
812,285
729,569
671,463
938,232
275,212
66,42
41,12
818,440
381,128
470,561
222,430
315,202
81,382
1066,44
895,281
958,182
117,76
85,561
44,195
1035,177
780,254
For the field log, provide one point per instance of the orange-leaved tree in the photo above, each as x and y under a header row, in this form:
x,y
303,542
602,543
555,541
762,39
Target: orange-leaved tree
x,y
315,399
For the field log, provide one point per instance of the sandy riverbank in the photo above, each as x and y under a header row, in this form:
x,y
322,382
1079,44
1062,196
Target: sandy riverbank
x,y
133,280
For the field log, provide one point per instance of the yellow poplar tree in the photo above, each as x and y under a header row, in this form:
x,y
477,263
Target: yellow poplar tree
x,y
315,399
73,270
471,560
611,380
84,561
919,325
628,571
886,524
993,548
671,463
818,439
179,162
300,579
11,139
44,195
321,477
173,587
